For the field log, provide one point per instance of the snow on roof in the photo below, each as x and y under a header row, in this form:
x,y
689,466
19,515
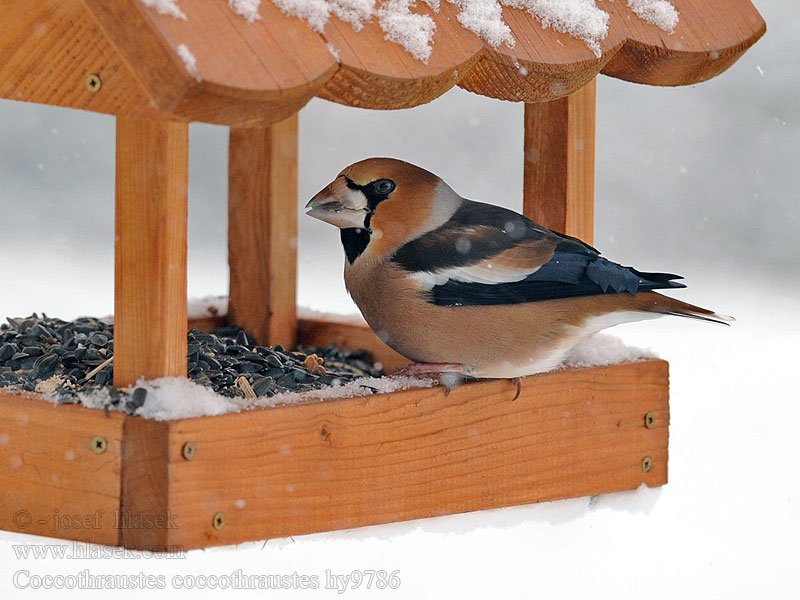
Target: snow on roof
x,y
334,52
355,12
658,12
246,8
314,12
484,18
166,7
579,18
412,31
189,61
582,19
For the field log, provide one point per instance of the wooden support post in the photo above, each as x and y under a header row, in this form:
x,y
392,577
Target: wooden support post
x,y
262,231
150,278
558,188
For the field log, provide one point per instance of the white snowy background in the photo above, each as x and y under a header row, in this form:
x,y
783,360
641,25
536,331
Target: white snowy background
x,y
702,181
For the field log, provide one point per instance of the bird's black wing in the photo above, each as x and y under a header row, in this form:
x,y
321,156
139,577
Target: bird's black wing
x,y
488,255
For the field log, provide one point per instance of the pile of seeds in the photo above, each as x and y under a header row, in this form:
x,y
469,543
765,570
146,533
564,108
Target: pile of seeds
x,y
220,359
68,357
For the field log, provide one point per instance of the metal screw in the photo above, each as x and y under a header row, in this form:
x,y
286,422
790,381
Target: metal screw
x,y
647,464
99,444
219,521
188,451
93,83
650,420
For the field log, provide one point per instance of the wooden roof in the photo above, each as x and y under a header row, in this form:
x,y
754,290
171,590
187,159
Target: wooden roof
x,y
261,72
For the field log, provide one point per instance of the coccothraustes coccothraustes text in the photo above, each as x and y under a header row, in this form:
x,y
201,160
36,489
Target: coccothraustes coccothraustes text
x,y
471,287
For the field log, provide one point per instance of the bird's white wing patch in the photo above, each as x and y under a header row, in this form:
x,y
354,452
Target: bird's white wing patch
x,y
428,281
484,272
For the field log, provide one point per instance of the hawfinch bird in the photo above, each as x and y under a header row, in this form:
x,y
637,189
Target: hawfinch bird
x,y
469,287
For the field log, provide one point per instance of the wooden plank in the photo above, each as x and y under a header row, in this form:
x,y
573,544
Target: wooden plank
x,y
51,481
244,73
49,48
558,185
709,38
150,250
208,324
278,63
545,64
262,231
376,73
317,332
352,462
212,106
146,519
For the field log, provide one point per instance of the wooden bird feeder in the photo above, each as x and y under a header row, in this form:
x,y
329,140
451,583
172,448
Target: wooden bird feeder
x,y
318,466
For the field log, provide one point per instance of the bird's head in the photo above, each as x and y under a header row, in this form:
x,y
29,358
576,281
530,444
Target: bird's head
x,y
384,202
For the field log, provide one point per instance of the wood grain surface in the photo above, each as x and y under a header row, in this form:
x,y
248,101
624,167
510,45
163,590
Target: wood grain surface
x,y
558,175
262,231
48,49
51,481
375,73
352,462
254,74
246,73
150,312
147,519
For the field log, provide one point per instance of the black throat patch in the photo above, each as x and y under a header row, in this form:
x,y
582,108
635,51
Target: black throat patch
x,y
355,241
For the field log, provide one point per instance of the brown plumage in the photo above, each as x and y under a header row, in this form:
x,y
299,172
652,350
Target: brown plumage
x,y
442,279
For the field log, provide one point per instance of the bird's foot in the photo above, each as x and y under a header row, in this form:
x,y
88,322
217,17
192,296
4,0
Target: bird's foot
x,y
517,381
446,374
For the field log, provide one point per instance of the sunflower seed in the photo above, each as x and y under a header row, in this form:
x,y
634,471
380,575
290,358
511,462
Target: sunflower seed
x,y
7,351
274,361
98,339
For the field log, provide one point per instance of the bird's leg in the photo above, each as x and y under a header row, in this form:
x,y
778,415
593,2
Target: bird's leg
x,y
517,381
446,374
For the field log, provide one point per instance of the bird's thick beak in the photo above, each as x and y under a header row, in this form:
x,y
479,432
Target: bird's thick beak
x,y
339,205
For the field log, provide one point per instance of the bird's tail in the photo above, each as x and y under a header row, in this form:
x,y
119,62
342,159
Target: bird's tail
x,y
654,302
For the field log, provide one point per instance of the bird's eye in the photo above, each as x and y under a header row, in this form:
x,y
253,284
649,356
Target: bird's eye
x,y
384,186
